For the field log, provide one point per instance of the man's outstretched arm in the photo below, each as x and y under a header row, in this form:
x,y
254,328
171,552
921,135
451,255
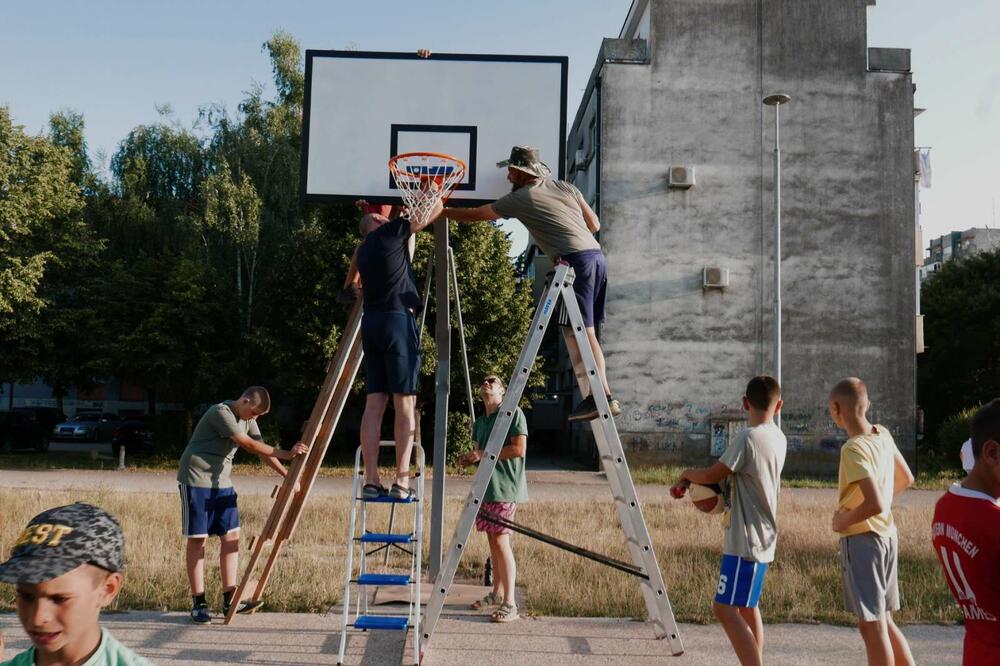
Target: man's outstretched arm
x,y
484,213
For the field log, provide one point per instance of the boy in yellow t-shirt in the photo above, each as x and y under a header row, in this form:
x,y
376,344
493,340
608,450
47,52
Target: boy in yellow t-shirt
x,y
872,472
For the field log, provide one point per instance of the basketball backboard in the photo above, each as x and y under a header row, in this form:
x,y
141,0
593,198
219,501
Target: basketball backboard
x,y
363,107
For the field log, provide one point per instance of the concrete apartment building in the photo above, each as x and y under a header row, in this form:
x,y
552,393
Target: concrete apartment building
x,y
956,245
682,87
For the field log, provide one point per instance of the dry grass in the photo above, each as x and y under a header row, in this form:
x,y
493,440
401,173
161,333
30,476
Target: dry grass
x,y
802,586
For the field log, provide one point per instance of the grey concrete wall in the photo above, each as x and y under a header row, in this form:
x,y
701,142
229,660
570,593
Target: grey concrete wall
x,y
679,358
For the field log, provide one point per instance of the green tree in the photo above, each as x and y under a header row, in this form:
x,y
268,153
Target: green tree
x,y
961,367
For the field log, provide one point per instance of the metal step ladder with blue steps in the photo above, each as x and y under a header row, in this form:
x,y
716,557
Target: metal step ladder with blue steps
x,y
398,566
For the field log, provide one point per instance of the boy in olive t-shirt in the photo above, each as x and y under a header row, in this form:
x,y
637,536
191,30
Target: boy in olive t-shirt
x,y
752,463
208,499
872,472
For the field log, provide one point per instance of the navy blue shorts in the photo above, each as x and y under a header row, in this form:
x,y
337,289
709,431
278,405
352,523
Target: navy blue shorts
x,y
590,286
740,582
208,511
392,356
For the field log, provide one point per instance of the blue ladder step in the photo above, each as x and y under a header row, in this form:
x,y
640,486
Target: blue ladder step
x,y
376,537
391,622
382,579
385,499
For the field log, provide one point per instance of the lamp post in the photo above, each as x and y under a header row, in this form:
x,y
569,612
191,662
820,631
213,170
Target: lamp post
x,y
776,100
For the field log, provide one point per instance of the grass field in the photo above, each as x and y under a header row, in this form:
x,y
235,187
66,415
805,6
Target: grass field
x,y
803,584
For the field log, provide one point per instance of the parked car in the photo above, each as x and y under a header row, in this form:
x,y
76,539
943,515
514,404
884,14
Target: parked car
x,y
27,428
86,427
135,433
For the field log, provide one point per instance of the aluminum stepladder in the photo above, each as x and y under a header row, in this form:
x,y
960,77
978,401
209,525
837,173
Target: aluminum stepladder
x,y
410,543
288,504
654,592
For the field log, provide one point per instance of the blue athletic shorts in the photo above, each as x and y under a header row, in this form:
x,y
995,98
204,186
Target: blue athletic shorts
x,y
392,356
590,286
740,582
208,511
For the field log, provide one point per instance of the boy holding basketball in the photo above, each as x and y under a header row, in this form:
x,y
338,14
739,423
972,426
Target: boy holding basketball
x,y
752,463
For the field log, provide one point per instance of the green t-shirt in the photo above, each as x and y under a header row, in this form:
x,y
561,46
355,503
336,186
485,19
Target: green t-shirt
x,y
550,209
109,653
208,459
507,483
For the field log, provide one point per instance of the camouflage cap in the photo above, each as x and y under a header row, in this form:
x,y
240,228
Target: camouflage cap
x,y
526,159
59,540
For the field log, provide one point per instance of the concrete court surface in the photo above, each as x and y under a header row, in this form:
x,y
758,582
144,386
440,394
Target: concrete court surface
x,y
289,638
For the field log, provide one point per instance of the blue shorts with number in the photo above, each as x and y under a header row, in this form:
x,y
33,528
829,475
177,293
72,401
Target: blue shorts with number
x,y
740,582
208,511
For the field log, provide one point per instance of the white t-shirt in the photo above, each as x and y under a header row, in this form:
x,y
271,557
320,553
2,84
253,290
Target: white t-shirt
x,y
968,461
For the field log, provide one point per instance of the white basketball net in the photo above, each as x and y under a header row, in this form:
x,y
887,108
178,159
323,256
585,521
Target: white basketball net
x,y
423,178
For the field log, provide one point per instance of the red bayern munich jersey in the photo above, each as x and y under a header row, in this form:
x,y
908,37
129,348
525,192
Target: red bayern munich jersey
x,y
966,531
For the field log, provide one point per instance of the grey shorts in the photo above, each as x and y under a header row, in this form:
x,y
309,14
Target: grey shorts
x,y
868,569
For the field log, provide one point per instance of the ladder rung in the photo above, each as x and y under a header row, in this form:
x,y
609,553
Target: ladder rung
x,y
382,579
385,499
390,622
375,537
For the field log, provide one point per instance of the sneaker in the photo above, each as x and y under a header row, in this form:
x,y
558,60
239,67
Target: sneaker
x,y
400,492
585,411
199,614
372,491
245,607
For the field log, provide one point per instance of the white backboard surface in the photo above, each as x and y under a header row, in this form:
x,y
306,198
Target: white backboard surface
x,y
363,107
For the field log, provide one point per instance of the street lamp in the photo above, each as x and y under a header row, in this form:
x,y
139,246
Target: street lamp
x,y
776,100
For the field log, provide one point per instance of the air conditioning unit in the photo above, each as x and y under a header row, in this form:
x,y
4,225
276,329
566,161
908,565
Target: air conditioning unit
x,y
713,277
680,177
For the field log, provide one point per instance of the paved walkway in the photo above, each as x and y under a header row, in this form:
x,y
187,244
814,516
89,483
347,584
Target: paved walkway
x,y
286,638
543,485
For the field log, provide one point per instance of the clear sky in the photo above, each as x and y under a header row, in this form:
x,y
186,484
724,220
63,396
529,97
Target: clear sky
x,y
116,61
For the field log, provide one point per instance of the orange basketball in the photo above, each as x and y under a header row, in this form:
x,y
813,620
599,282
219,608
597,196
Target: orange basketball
x,y
707,499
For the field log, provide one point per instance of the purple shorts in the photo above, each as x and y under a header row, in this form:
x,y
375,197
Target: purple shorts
x,y
501,509
590,286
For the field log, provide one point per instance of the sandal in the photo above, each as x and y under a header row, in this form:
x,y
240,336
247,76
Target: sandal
x,y
491,599
506,613
373,491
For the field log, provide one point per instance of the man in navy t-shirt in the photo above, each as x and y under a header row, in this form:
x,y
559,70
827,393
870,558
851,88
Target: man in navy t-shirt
x,y
389,340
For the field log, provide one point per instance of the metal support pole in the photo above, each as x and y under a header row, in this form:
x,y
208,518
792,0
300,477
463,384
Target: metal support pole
x,y
776,101
461,337
442,386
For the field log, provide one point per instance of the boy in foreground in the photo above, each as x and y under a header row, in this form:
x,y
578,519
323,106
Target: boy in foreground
x,y
966,533
872,472
66,567
208,499
753,462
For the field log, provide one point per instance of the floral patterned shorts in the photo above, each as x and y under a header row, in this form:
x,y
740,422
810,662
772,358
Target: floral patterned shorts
x,y
501,509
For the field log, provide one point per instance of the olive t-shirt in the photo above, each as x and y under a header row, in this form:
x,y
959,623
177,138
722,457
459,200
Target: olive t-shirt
x,y
756,458
207,461
550,209
109,653
507,483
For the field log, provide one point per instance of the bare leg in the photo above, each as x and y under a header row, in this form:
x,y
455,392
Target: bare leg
x,y
595,347
877,644
229,559
371,432
752,617
508,570
574,356
403,425
497,558
195,560
900,648
742,638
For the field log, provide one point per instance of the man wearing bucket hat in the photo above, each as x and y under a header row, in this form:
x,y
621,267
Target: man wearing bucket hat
x,y
66,567
563,225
